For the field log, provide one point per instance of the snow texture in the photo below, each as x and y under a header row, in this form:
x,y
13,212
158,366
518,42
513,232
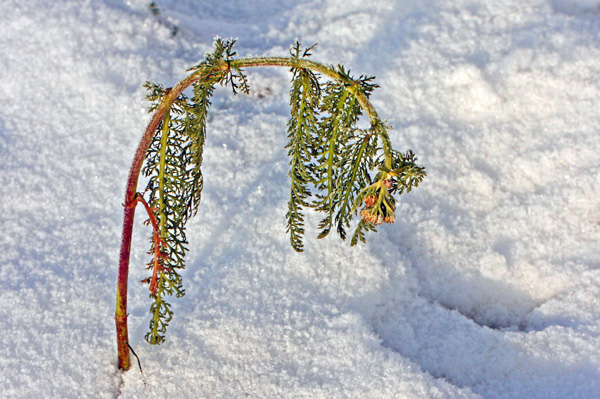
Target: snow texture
x,y
485,287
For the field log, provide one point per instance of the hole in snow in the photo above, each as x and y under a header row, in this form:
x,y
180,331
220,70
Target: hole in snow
x,y
493,293
495,288
486,302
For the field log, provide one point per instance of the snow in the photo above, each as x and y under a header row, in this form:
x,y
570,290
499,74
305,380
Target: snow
x,y
485,287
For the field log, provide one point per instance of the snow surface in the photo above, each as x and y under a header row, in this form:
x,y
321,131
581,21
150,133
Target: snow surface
x,y
486,286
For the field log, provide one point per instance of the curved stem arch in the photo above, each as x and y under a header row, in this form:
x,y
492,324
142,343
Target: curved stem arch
x,y
205,72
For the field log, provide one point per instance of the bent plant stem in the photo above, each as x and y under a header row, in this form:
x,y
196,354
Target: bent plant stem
x,y
131,195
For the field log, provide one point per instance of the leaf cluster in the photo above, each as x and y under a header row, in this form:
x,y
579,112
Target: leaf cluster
x,y
335,167
342,164
174,186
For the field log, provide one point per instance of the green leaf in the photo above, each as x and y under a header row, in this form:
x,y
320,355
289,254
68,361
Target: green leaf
x,y
342,108
357,158
175,182
305,97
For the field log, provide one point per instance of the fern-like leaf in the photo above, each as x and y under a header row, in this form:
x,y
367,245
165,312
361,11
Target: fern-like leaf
x,y
356,163
342,109
167,185
305,98
175,183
